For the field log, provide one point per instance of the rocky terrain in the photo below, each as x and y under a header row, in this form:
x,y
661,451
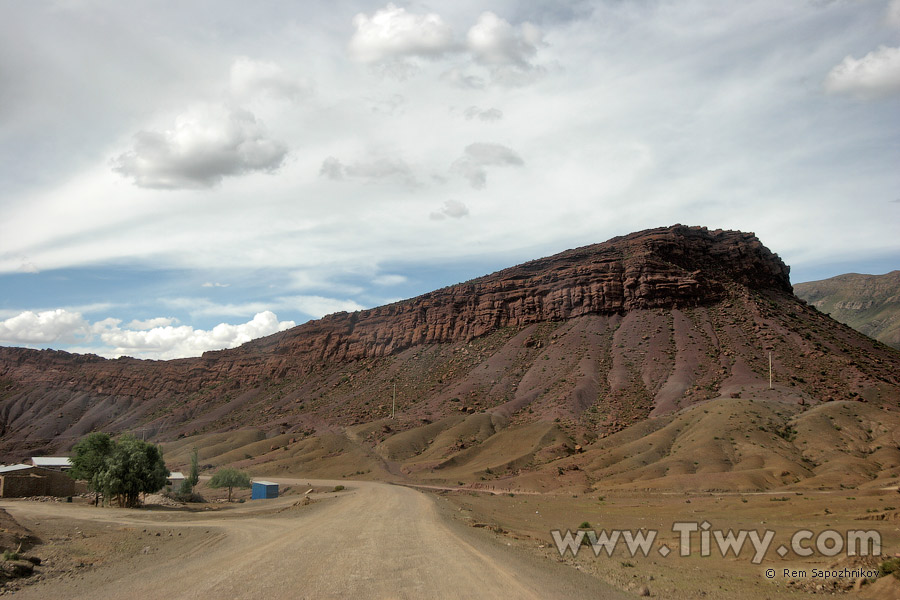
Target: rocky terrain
x,y
867,303
556,372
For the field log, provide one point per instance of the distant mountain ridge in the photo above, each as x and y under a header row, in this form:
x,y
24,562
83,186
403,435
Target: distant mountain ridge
x,y
868,303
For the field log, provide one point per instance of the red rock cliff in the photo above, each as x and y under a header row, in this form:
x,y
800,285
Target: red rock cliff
x,y
669,267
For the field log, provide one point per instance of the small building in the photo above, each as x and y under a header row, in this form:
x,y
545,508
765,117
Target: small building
x,y
20,481
174,481
57,463
264,490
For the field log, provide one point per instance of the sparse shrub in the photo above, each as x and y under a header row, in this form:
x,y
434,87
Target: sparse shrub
x,y
890,567
338,488
10,555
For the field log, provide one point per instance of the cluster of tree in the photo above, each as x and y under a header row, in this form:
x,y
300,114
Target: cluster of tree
x,y
119,469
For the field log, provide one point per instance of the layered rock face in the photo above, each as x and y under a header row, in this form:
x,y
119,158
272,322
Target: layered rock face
x,y
673,267
661,268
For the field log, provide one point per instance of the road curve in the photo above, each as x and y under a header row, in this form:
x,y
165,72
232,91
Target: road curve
x,y
372,541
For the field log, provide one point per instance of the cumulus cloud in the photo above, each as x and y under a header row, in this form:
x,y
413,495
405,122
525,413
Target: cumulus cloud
x,y
370,170
494,41
178,342
391,33
47,326
875,75
507,50
205,145
249,78
476,157
151,323
396,43
490,114
453,209
152,338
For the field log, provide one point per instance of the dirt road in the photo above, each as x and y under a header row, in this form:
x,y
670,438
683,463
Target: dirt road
x,y
371,541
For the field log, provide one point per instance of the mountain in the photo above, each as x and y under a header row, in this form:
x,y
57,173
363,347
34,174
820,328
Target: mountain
x,y
867,303
640,361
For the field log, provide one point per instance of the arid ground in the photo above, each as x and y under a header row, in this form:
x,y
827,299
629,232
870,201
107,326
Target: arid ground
x,y
377,540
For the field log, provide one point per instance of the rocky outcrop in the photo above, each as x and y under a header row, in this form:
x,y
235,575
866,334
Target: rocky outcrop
x,y
661,268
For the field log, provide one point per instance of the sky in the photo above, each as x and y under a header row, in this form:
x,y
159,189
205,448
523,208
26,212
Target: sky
x,y
177,177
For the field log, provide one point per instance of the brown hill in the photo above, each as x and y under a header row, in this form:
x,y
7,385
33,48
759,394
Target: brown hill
x,y
499,379
867,303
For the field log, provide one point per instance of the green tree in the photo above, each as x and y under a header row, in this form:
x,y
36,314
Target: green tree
x,y
133,467
89,457
185,491
230,478
194,477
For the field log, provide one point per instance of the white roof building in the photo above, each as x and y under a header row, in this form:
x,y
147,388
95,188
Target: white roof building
x,y
10,468
52,462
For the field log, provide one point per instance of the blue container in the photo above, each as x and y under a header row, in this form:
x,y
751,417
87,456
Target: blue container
x,y
264,490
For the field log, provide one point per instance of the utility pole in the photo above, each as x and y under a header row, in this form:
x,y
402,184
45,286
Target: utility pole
x,y
770,370
394,401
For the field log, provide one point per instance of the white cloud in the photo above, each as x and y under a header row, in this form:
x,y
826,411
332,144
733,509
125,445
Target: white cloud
x,y
152,338
28,267
151,323
875,75
508,51
480,155
453,209
250,78
319,306
493,41
396,41
205,144
490,114
392,33
215,284
165,342
47,326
